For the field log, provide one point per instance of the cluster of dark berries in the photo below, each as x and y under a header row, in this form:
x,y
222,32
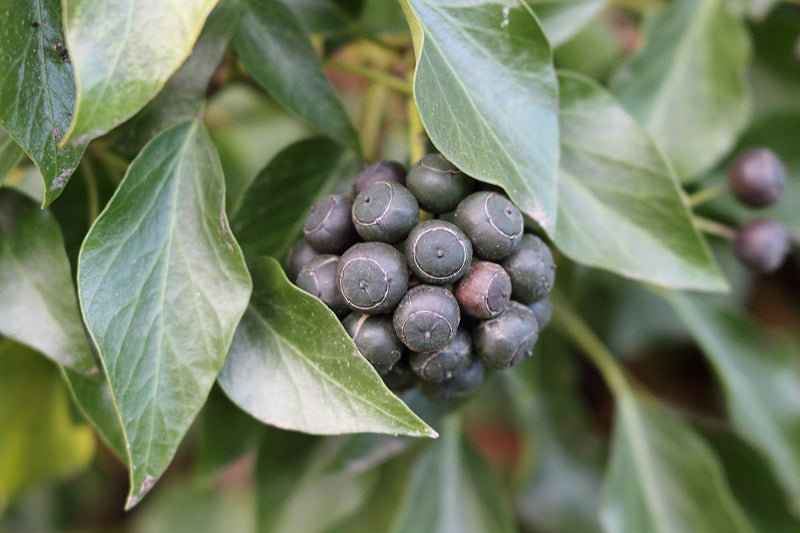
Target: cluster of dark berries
x,y
429,303
757,179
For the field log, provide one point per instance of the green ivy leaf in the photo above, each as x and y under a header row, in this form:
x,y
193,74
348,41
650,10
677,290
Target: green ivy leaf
x,y
452,489
185,92
279,198
620,207
38,439
687,86
662,477
761,382
123,55
292,365
325,17
10,155
96,404
37,91
37,298
487,94
563,19
277,51
163,284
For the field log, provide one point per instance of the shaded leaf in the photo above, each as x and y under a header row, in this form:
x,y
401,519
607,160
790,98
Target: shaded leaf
x,y
39,441
285,189
487,94
687,86
773,73
123,53
37,90
292,365
620,207
662,477
277,51
453,490
185,92
761,382
95,402
562,19
326,17
10,154
38,306
162,285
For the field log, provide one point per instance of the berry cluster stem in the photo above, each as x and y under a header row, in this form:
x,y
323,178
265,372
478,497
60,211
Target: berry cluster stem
x,y
572,325
706,195
416,132
713,227
372,74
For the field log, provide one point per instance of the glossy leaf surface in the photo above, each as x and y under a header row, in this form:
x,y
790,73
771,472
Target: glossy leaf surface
x,y
37,90
562,19
278,53
687,85
620,207
162,285
38,306
123,52
292,365
487,94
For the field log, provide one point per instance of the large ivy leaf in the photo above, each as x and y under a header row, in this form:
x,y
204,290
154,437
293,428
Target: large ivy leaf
x,y
123,52
662,477
38,306
185,92
163,284
285,189
562,19
761,382
293,365
38,439
487,94
620,207
277,51
453,490
687,86
37,90
10,154
96,404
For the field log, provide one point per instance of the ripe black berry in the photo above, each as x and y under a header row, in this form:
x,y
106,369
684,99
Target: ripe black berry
x,y
543,311
375,339
505,340
438,184
385,212
445,363
299,254
318,278
426,318
762,244
485,291
757,177
459,386
492,223
531,269
438,252
328,227
400,376
380,171
372,277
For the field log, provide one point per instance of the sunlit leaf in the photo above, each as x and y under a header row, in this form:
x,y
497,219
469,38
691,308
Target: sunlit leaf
x,y
562,19
10,154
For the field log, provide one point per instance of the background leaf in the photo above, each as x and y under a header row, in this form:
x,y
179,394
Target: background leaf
x,y
123,53
163,285
39,441
487,94
37,91
452,489
277,51
10,154
662,477
38,306
620,207
562,19
292,365
687,85
285,189
761,382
